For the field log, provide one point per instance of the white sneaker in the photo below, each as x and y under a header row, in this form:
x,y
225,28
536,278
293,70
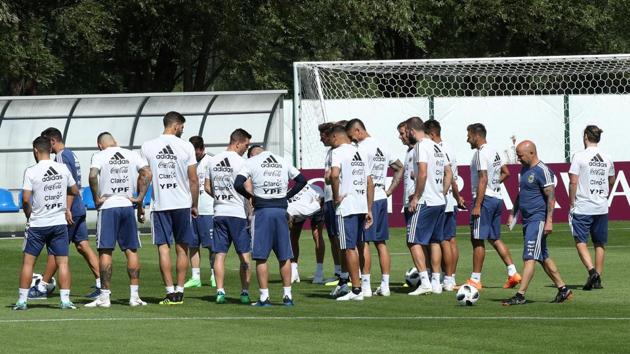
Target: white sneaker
x,y
351,296
382,292
340,290
422,290
99,302
436,286
367,291
136,301
318,279
295,277
448,286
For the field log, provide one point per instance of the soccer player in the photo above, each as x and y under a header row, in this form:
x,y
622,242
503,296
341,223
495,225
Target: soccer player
x,y
175,199
353,189
450,253
203,225
535,201
380,160
77,229
307,204
52,188
487,173
591,175
230,215
270,174
427,204
113,184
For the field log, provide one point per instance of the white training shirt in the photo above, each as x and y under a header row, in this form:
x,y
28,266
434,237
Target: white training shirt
x,y
593,168
452,160
352,179
328,197
427,151
486,158
409,176
49,182
380,159
307,202
270,175
206,203
118,175
222,171
169,158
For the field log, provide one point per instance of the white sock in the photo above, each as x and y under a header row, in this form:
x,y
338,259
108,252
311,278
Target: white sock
x,y
196,273
385,281
179,289
64,294
22,295
424,277
365,280
212,272
170,289
337,269
436,277
42,286
511,269
447,280
105,293
453,278
319,268
475,276
133,291
98,283
287,292
264,294
294,267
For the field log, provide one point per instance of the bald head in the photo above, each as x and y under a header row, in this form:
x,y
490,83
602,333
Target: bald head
x,y
526,153
105,140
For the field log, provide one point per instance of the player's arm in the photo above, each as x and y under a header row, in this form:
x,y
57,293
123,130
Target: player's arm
x,y
461,203
399,171
144,179
550,197
327,179
447,180
505,173
370,200
207,186
239,185
334,184
300,182
421,182
193,182
93,179
481,192
73,191
611,176
573,184
512,213
26,203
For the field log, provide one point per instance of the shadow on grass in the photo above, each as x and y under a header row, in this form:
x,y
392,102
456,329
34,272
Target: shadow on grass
x,y
32,305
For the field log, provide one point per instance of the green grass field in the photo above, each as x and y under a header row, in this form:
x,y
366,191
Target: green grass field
x,y
596,321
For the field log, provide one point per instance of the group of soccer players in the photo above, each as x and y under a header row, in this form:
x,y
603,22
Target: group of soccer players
x,y
213,202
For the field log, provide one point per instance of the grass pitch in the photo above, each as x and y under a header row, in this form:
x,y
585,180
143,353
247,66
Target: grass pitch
x,y
595,321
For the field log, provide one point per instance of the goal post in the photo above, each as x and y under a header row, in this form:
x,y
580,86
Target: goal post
x,y
505,91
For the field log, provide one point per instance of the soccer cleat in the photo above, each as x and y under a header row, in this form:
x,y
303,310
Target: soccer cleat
x,y
590,281
67,305
473,282
422,290
598,283
245,298
382,292
50,288
100,301
35,294
287,301
213,282
20,306
514,300
318,279
351,297
96,293
367,292
220,298
259,303
169,299
436,287
512,281
448,286
563,296
193,283
340,290
136,301
334,282
295,277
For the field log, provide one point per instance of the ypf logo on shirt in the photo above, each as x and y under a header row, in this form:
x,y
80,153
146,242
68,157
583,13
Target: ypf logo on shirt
x,y
166,154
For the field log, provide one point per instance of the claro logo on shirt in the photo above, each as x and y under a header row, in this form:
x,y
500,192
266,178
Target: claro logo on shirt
x,y
51,175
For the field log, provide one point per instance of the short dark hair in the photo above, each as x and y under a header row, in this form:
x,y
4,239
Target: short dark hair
x,y
402,124
354,122
52,133
342,123
42,144
432,126
251,148
197,142
173,117
239,135
337,128
478,129
324,127
415,123
101,135
593,133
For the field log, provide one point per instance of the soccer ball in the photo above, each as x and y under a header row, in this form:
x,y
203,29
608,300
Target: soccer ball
x,y
36,279
467,295
412,277
49,288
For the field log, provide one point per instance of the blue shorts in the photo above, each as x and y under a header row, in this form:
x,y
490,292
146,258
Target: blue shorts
x,y
172,226
271,232
202,231
330,219
488,225
535,247
117,225
350,230
450,224
596,225
54,237
426,225
78,232
379,231
230,230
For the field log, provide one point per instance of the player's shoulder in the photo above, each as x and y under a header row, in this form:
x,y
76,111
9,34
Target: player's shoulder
x,y
543,170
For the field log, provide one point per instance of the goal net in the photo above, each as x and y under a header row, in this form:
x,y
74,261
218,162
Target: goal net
x,y
553,95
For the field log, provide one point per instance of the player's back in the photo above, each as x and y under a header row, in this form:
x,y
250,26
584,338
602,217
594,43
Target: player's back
x,y
352,179
70,160
379,160
430,153
49,181
486,158
118,175
169,157
222,171
306,201
593,167
270,175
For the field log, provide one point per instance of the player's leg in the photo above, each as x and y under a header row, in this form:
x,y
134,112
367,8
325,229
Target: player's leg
x,y
479,250
599,233
385,264
495,233
164,260
78,233
381,224
133,271
162,235
105,269
34,242
129,243
320,247
532,243
330,221
181,250
581,228
183,236
455,258
449,230
262,244
45,287
295,229
58,246
365,266
193,254
350,229
107,229
564,293
243,246
281,245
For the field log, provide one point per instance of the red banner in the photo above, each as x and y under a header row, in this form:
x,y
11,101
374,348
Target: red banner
x,y
619,199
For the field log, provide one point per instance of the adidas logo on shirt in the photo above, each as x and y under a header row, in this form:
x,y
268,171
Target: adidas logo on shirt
x,y
271,162
51,175
223,166
356,160
597,161
379,156
118,159
166,154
